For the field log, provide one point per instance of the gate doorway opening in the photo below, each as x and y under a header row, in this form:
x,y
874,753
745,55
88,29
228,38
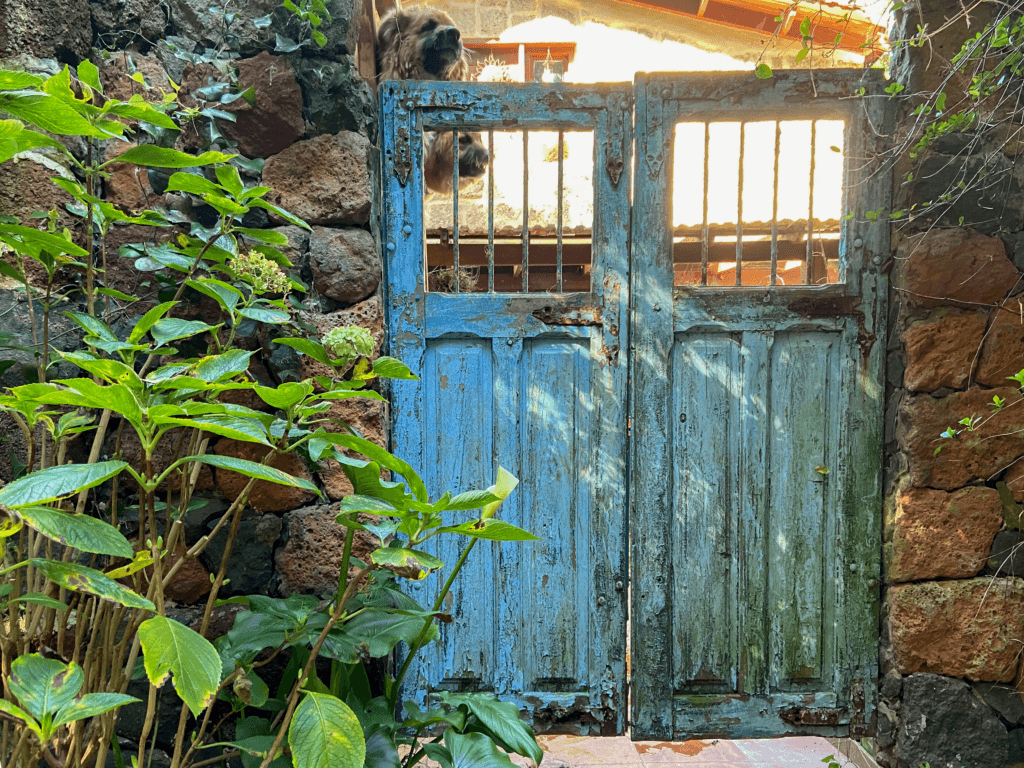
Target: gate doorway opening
x,y
681,359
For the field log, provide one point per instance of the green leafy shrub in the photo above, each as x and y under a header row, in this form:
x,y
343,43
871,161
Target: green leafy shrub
x,y
72,581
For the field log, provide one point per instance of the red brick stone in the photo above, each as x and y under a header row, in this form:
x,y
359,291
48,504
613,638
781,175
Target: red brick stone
x,y
324,180
265,496
128,186
941,350
310,560
943,535
954,265
979,455
970,629
274,120
1002,354
118,83
1014,479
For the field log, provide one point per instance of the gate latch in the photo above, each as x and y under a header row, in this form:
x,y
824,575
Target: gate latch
x,y
583,316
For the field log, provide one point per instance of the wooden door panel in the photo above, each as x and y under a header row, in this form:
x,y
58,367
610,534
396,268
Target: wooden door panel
x,y
536,383
756,480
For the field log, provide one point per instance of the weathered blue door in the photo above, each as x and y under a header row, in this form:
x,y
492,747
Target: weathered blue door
x,y
757,403
710,394
534,382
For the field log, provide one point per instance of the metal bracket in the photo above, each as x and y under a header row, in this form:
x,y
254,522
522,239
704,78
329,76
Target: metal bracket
x,y
653,135
403,156
618,112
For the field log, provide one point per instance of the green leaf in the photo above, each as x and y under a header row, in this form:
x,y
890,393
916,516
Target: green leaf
x,y
225,425
805,27
37,599
470,500
52,483
224,294
44,685
90,705
47,241
228,176
18,81
268,316
474,750
79,578
390,368
355,503
19,714
492,530
169,329
216,368
169,647
381,752
225,205
115,294
325,733
160,157
802,54
89,74
383,457
395,559
307,347
763,71
252,469
145,113
498,720
375,632
290,218
47,112
113,371
82,532
285,395
149,320
248,730
193,183
268,236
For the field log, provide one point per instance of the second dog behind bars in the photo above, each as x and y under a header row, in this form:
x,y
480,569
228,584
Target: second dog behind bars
x,y
424,44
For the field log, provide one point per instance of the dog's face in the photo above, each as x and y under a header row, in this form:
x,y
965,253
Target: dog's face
x,y
420,44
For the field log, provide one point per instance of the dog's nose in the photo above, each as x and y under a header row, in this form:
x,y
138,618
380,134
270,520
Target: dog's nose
x,y
450,35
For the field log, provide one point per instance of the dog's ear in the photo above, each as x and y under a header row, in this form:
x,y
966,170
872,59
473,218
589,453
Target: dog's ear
x,y
389,33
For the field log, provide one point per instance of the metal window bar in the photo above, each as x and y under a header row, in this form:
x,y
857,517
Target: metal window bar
x,y
704,227
739,211
526,211
775,205
490,212
561,192
456,287
809,251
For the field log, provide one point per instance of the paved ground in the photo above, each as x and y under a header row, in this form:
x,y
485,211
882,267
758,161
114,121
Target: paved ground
x,y
579,752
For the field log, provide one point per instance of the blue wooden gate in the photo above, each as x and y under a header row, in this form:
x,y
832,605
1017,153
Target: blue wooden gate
x,y
756,484
728,436
535,383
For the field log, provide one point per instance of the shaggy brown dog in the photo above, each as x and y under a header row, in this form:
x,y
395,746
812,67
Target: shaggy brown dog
x,y
424,44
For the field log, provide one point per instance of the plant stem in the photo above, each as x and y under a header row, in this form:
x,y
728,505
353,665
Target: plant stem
x,y
415,647
345,555
293,698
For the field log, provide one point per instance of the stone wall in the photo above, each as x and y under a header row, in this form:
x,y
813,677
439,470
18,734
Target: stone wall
x,y
953,611
312,124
